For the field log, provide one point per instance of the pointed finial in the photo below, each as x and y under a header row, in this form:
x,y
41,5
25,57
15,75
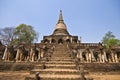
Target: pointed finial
x,y
60,11
60,28
60,17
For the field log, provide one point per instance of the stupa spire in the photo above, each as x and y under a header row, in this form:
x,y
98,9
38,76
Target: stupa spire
x,y
60,28
60,18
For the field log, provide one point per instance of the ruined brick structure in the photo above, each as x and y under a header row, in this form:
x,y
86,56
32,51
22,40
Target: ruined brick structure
x,y
61,35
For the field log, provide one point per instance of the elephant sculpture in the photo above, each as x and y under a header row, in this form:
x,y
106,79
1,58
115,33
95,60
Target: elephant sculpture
x,y
114,55
21,54
33,54
88,55
100,54
2,49
9,53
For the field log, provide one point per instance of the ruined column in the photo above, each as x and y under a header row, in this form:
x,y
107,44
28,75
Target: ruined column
x,y
17,56
112,56
5,54
39,54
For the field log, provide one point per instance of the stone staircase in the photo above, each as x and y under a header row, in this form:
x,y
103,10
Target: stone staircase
x,y
59,67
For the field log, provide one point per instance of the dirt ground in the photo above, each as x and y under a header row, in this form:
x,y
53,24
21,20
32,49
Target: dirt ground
x,y
13,75
105,77
21,76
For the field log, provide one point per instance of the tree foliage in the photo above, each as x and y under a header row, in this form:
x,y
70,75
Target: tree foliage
x,y
113,42
109,40
108,35
7,35
25,34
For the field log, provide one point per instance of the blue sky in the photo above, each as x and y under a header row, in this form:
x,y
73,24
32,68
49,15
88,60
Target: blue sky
x,y
90,19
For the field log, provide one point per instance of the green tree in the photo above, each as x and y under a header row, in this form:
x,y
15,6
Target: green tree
x,y
109,40
113,42
25,34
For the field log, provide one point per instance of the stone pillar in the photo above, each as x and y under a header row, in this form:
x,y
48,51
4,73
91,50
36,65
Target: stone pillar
x,y
105,57
42,54
92,55
39,55
99,56
86,55
116,57
81,57
21,56
17,55
5,54
113,56
32,55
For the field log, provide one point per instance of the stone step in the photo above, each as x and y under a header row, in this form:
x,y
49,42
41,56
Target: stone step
x,y
57,77
60,59
58,66
59,49
56,59
60,52
54,77
55,71
59,56
60,62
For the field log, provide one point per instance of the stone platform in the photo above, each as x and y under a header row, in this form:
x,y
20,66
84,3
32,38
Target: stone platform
x,y
59,67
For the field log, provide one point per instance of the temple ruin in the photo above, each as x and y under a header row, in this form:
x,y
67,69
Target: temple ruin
x,y
59,56
83,52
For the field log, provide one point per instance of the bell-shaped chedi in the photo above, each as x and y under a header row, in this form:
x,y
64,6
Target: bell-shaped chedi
x,y
60,28
60,34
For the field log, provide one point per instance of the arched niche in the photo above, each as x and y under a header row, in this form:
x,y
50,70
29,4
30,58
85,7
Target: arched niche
x,y
74,41
46,41
60,41
53,41
68,41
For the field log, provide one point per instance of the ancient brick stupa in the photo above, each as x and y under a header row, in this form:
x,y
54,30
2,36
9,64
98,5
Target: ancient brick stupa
x,y
60,34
